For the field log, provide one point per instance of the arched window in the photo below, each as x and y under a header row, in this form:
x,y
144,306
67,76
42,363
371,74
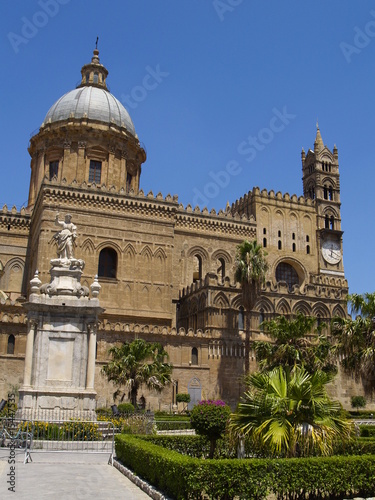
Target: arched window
x,y
265,242
11,344
330,194
194,356
307,249
326,222
107,263
294,247
197,273
325,192
96,77
332,222
286,272
87,77
129,181
279,245
241,319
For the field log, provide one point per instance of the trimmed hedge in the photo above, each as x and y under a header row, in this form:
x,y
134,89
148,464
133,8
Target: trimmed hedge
x,y
367,430
183,477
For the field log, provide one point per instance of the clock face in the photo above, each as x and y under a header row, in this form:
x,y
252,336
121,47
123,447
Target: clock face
x,y
331,251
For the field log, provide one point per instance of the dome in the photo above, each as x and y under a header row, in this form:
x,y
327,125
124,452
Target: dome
x,y
93,103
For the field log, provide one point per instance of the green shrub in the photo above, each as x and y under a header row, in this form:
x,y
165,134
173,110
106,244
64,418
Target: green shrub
x,y
182,397
173,425
358,402
184,477
103,412
367,431
125,408
210,418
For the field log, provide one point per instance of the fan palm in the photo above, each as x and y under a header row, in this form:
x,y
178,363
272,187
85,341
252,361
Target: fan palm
x,y
250,272
289,413
135,364
295,342
356,338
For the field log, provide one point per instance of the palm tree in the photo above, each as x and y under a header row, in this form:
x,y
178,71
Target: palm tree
x,y
289,413
251,268
296,341
356,339
135,364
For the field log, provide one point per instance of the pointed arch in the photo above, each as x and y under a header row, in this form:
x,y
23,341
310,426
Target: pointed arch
x,y
282,307
302,307
339,312
88,247
221,300
265,304
158,268
158,298
12,279
145,298
320,310
145,263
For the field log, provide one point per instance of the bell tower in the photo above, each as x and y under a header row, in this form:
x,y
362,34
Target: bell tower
x,y
321,183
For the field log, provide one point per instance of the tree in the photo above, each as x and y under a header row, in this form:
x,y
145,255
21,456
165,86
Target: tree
x,y
289,413
296,341
358,402
135,364
251,268
210,418
355,339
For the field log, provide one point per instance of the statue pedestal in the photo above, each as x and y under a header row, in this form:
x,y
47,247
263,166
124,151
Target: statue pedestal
x,y
61,346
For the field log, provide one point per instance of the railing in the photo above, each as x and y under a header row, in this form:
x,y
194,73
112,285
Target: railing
x,y
79,436
13,439
173,427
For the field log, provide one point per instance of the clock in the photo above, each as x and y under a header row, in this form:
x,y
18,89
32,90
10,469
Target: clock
x,y
331,251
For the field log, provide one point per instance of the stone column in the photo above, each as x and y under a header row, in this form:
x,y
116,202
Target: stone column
x,y
91,357
29,353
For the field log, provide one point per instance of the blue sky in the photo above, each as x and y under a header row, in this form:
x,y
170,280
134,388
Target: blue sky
x,y
223,69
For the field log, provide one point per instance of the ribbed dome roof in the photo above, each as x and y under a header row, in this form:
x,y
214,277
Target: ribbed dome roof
x,y
92,103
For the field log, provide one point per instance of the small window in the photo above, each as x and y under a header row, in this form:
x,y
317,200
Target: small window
x,y
261,318
326,222
294,247
241,319
264,230
53,169
325,193
279,245
11,344
96,77
307,239
129,179
279,234
307,249
332,223
197,273
265,242
87,77
293,236
95,173
194,356
221,269
330,194
107,263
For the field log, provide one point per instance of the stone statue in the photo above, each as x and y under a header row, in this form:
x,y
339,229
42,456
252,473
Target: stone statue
x,y
65,237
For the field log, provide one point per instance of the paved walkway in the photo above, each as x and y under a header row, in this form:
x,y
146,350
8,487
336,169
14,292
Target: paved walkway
x,y
66,476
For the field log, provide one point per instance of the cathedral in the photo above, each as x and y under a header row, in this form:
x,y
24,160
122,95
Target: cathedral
x,y
166,271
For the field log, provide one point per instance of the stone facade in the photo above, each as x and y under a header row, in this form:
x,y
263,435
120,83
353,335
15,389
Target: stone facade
x,y
166,271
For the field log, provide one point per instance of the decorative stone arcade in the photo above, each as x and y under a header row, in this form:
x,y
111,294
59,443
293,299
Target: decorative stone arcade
x,y
61,338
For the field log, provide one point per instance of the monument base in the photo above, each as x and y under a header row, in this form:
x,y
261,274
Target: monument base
x,y
56,404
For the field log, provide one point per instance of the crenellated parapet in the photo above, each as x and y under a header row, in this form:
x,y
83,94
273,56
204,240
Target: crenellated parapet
x,y
13,218
105,325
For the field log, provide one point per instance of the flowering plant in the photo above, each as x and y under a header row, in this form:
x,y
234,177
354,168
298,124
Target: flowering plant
x,y
209,418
